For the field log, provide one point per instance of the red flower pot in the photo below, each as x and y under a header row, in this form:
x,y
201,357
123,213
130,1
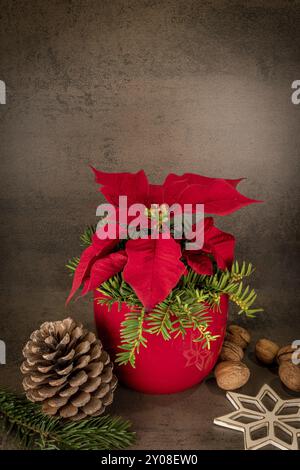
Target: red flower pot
x,y
164,366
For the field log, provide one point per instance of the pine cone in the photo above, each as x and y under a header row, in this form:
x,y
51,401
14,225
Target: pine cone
x,y
67,369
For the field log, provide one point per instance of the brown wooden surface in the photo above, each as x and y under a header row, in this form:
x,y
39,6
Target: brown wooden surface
x,y
164,85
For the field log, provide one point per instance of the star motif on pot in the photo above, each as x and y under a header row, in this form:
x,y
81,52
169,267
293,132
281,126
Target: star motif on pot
x,y
197,356
279,422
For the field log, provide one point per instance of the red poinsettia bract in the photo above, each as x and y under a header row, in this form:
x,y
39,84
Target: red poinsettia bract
x,y
153,267
218,246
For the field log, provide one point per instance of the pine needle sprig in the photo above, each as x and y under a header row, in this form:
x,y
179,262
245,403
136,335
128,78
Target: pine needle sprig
x,y
238,273
159,321
87,235
116,290
35,430
230,283
86,240
183,309
193,314
132,336
72,265
186,307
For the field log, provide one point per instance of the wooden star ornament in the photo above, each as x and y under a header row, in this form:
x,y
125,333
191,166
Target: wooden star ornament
x,y
265,419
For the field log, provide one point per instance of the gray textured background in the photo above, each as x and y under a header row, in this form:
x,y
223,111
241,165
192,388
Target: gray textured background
x,y
169,86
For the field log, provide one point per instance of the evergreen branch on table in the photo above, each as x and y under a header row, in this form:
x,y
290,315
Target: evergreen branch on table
x,y
35,430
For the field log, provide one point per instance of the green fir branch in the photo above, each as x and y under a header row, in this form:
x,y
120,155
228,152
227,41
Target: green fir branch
x,y
86,241
185,308
159,321
72,265
238,273
87,235
35,430
192,312
132,337
230,283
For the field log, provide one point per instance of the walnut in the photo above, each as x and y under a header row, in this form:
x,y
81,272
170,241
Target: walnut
x,y
231,352
285,354
231,375
238,335
266,350
289,374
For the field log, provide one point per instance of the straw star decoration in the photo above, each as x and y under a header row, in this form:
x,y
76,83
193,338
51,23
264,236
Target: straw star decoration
x,y
276,424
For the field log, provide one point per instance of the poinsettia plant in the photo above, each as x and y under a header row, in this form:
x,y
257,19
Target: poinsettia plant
x,y
159,274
